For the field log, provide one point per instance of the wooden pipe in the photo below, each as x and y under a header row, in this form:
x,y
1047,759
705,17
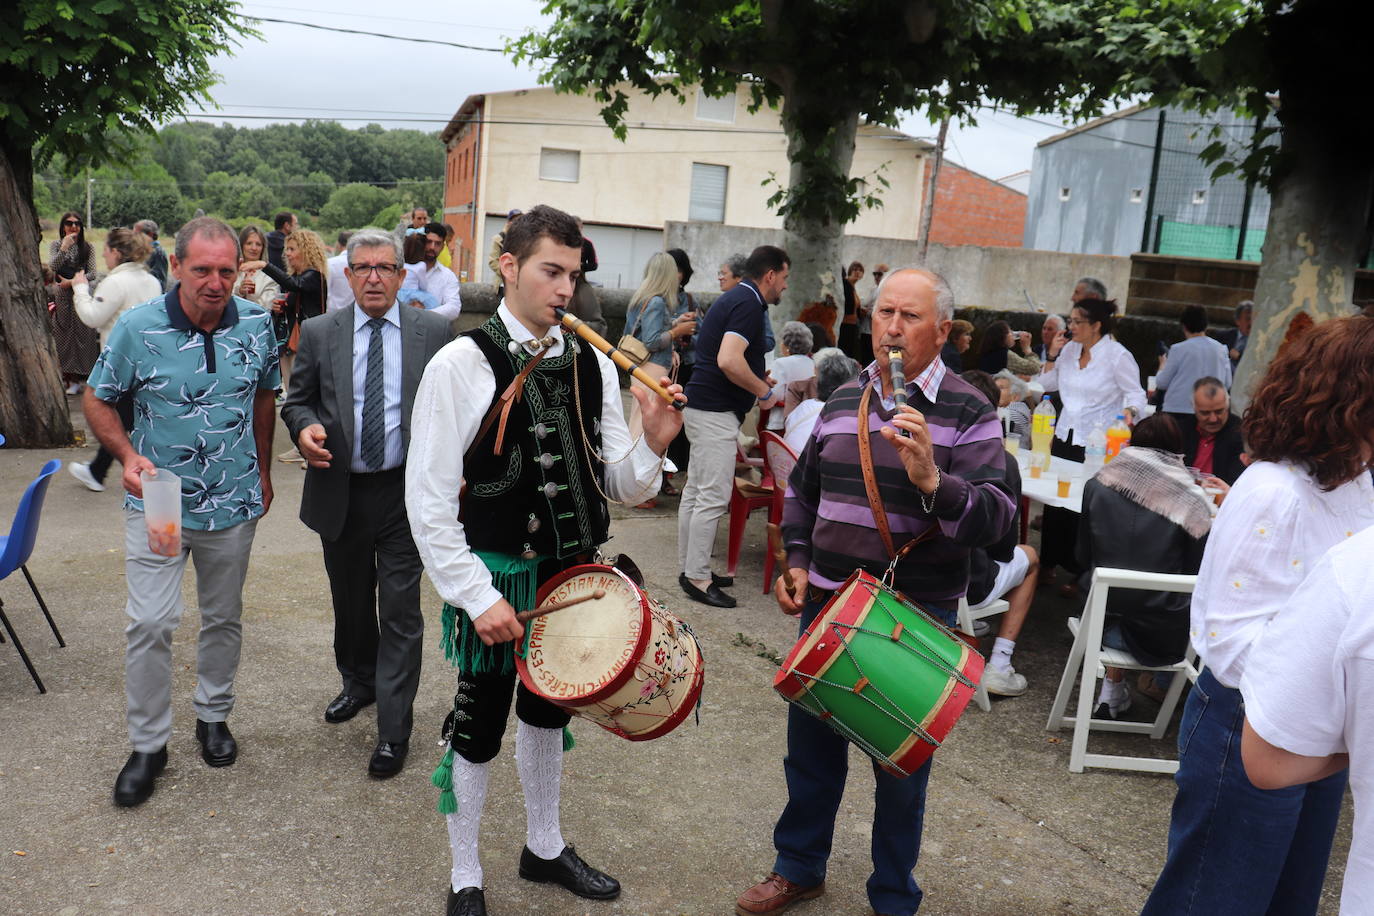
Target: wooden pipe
x,y
580,328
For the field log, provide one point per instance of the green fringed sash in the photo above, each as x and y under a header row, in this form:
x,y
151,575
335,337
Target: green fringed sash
x,y
516,578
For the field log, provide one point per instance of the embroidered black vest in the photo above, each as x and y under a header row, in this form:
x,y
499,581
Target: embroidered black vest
x,y
539,494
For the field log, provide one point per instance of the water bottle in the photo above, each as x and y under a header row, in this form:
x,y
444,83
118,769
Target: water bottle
x,y
1118,434
1042,429
1095,454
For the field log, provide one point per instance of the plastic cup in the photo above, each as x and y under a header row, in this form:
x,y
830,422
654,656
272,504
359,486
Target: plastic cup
x,y
1065,483
1013,445
1214,494
162,512
1037,465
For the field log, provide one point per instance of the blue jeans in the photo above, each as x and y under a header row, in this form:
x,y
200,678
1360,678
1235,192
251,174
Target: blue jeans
x,y
1233,848
816,766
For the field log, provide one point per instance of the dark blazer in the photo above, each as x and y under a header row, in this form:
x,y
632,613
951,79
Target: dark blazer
x,y
321,392
1226,462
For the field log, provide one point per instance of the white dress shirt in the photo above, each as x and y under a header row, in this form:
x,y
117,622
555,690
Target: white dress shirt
x,y
391,387
454,396
1271,530
442,284
1093,395
340,293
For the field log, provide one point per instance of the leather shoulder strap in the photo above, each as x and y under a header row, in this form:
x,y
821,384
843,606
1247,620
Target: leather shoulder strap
x,y
875,501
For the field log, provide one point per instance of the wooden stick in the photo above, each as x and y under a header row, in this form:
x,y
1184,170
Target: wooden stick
x,y
580,328
780,557
524,616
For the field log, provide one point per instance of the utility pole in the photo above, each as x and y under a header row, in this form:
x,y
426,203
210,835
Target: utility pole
x,y
89,181
1154,183
930,191
1249,191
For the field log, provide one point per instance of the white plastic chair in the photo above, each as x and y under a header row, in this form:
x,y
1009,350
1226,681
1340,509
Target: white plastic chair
x,y
966,618
1086,661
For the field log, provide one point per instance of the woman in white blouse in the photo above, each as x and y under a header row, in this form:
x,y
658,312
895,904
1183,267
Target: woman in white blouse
x,y
1095,376
127,284
1234,848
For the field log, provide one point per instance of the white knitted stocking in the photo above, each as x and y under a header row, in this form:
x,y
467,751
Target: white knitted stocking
x,y
470,787
539,761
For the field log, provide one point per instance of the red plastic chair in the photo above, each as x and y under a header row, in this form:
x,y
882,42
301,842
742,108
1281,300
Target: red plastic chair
x,y
745,498
778,461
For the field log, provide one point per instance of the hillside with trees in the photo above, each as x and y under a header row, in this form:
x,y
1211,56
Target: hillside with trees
x,y
333,177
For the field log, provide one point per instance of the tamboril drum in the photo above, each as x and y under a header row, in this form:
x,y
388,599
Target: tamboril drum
x,y
620,660
881,672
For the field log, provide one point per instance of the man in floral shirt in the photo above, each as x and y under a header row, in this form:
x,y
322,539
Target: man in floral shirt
x,y
201,368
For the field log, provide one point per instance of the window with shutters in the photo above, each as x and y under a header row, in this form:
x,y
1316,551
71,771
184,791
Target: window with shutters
x,y
721,109
559,164
708,192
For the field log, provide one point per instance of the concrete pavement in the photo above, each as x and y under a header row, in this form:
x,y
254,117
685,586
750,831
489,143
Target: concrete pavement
x,y
296,826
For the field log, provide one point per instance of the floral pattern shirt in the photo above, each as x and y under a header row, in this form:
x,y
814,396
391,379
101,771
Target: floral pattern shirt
x,y
193,394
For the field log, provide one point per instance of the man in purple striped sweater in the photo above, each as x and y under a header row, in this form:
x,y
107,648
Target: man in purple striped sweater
x,y
948,476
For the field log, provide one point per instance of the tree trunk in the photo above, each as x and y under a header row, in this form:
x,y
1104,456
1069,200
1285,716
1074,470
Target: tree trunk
x,y
1317,220
33,410
814,239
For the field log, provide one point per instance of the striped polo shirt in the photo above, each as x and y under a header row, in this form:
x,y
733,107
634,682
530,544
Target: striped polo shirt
x,y
828,526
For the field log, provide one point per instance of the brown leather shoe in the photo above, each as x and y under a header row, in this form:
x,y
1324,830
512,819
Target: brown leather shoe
x,y
773,895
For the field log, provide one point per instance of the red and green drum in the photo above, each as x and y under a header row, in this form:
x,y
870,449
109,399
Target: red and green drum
x,y
881,672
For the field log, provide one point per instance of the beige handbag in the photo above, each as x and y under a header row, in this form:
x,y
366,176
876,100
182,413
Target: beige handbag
x,y
634,348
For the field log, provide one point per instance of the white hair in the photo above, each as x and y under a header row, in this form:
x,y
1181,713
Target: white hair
x,y
944,296
374,238
1055,319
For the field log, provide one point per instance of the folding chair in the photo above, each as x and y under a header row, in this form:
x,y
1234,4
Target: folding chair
x,y
966,618
15,550
1087,659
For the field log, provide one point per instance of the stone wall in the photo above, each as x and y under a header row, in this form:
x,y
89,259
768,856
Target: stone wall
x,y
981,277
1166,284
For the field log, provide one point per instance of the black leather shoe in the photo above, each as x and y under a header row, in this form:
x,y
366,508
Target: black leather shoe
x,y
470,901
217,747
388,759
134,784
722,581
344,707
571,872
712,596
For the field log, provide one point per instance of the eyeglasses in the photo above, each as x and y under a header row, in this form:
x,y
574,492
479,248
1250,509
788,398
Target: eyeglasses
x,y
71,222
384,271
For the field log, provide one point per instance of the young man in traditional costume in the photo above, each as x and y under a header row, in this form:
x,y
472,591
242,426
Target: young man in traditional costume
x,y
537,472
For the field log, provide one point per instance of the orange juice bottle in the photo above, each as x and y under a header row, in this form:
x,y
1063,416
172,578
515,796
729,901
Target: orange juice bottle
x,y
1118,434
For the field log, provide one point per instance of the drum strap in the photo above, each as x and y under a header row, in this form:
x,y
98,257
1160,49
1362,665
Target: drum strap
x,y
875,501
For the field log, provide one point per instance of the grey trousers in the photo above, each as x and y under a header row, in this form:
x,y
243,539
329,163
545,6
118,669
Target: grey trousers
x,y
374,579
710,481
154,610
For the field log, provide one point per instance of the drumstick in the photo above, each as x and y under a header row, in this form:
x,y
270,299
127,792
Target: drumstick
x,y
780,557
894,364
550,608
580,328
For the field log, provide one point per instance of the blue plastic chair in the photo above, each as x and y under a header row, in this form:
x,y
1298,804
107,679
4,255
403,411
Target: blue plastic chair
x,y
15,550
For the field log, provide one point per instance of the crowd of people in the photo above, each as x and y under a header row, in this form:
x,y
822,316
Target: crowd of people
x,y
408,433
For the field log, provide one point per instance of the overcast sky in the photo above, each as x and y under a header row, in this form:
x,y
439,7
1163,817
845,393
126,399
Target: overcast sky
x,y
296,72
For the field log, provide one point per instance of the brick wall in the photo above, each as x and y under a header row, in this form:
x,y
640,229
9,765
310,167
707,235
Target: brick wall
x,y
973,210
460,189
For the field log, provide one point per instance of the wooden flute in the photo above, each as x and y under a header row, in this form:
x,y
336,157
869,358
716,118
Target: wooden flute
x,y
580,328
898,371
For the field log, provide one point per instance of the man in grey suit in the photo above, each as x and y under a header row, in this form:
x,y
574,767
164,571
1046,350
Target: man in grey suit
x,y
352,391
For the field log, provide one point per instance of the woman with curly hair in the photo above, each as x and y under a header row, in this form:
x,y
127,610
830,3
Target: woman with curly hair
x,y
77,345
305,284
1235,848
